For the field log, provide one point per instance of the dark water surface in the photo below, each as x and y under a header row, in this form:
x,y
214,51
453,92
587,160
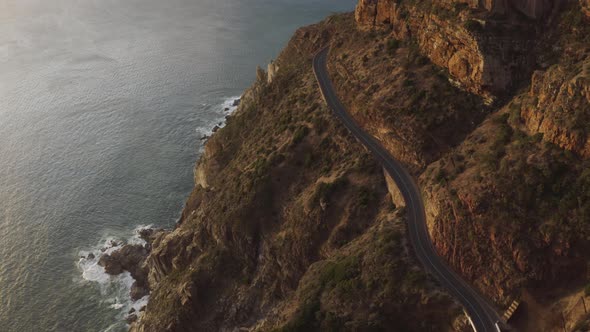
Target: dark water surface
x,y
102,104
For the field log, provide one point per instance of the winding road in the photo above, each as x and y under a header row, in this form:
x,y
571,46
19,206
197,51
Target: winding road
x,y
483,317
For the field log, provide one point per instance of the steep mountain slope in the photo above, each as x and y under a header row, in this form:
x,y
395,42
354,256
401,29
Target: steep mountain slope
x,y
508,206
291,226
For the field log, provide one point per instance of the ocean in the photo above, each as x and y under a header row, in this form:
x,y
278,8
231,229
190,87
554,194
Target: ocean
x,y
102,107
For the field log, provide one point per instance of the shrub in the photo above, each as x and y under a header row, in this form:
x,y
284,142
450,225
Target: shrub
x,y
300,134
392,45
365,196
325,189
441,176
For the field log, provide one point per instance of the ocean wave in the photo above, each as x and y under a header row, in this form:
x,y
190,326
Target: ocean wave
x,y
115,290
224,109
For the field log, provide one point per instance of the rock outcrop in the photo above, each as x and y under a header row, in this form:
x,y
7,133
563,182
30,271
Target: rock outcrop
x,y
559,107
383,11
488,64
291,224
273,68
132,258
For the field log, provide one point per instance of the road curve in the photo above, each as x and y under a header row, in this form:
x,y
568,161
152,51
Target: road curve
x,y
482,315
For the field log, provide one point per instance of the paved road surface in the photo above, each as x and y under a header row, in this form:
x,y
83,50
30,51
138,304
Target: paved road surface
x,y
483,316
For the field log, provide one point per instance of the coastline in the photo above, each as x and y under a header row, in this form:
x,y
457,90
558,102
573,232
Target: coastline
x,y
118,288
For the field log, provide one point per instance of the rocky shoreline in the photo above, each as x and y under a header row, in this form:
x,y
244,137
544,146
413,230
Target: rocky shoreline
x,y
132,257
220,125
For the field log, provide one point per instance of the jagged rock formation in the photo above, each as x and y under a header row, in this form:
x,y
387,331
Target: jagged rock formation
x,y
273,68
453,37
290,226
132,258
376,12
559,107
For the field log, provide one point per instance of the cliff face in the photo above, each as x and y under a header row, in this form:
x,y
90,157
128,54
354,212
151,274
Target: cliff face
x,y
485,55
290,226
383,11
399,96
507,207
558,107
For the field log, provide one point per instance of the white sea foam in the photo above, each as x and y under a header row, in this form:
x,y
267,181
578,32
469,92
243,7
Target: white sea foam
x,y
224,109
114,289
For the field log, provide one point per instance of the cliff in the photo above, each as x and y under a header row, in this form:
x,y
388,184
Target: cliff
x,y
484,45
506,206
291,226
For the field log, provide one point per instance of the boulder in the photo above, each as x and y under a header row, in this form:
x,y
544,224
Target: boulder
x,y
131,318
128,258
138,291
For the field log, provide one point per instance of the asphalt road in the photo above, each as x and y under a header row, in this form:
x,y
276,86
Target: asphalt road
x,y
483,316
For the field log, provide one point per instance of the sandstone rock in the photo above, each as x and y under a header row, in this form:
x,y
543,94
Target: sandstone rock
x,y
261,75
396,195
273,68
482,64
558,106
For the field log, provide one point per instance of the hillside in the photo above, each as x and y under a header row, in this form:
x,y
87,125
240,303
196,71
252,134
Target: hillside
x,y
291,227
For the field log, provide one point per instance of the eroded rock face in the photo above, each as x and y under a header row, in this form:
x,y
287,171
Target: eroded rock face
x,y
487,64
559,107
132,258
376,13
127,258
